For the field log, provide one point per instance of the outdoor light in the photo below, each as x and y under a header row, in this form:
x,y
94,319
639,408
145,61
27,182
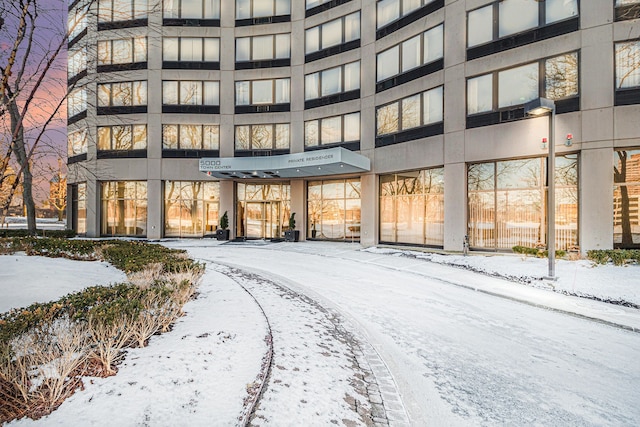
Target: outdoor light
x,y
568,142
544,144
539,107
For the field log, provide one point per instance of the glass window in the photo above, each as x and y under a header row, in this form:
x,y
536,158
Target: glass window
x,y
433,106
122,137
258,92
312,86
191,49
414,52
627,64
516,16
262,91
331,81
76,102
387,63
76,62
262,137
351,127
311,137
561,76
412,207
77,142
351,76
410,111
76,22
480,94
122,51
122,94
507,203
333,209
480,26
191,208
186,92
626,199
121,10
332,130
262,48
190,137
557,10
333,33
387,119
246,9
124,208
191,9
388,11
517,85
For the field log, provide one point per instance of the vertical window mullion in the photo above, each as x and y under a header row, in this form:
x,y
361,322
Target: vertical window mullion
x,y
496,26
494,89
542,77
495,205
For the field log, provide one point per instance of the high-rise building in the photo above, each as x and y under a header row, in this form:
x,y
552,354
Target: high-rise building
x,y
391,121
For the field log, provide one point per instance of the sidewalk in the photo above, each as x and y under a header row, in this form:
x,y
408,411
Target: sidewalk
x,y
489,283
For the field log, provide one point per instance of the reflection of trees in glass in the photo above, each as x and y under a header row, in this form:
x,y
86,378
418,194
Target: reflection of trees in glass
x,y
561,76
387,119
627,64
620,176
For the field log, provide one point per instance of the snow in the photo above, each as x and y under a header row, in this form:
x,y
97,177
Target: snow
x,y
346,334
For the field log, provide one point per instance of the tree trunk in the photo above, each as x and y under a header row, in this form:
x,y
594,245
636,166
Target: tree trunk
x,y
21,154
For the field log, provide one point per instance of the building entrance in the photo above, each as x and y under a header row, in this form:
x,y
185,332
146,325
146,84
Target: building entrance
x,y
263,210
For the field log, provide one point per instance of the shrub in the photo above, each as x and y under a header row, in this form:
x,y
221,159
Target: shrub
x,y
537,252
43,233
616,256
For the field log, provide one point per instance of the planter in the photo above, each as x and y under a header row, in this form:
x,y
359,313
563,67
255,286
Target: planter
x,y
292,235
222,234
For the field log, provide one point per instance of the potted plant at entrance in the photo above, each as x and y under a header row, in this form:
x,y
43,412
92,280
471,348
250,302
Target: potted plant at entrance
x,y
222,233
291,234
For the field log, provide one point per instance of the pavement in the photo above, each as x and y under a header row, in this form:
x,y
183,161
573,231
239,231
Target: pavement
x,y
606,313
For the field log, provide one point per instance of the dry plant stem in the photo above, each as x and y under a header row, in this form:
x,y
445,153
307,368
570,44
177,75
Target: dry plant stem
x,y
108,339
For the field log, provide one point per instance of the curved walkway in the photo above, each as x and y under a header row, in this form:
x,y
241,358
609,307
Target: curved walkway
x,y
457,354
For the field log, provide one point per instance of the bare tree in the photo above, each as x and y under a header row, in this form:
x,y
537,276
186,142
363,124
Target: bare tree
x,y
31,90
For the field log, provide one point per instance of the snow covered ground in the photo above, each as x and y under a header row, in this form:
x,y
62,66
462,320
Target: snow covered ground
x,y
400,337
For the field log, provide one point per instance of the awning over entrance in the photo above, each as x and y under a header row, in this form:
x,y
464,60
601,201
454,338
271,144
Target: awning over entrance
x,y
332,161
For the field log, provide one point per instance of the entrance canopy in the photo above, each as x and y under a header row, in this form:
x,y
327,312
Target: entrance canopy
x,y
332,161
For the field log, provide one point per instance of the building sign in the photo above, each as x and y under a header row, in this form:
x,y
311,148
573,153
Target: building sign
x,y
332,161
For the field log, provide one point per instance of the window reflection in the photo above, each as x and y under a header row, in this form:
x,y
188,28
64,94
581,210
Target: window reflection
x,y
77,142
190,137
332,33
262,137
191,208
507,203
627,64
123,137
412,207
333,209
410,112
124,208
626,199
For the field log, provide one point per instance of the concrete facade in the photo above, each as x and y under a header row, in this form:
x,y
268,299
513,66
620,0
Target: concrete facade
x,y
598,126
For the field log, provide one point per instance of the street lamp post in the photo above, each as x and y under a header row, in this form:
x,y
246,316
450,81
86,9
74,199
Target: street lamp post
x,y
539,107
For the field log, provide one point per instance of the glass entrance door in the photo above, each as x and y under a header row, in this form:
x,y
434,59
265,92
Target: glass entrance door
x,y
262,210
262,220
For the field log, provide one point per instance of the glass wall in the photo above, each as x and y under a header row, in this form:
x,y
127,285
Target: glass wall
x,y
333,209
507,203
626,199
412,207
191,208
124,208
81,208
263,210
77,142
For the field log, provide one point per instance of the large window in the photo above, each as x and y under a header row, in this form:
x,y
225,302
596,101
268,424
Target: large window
x,y
263,48
80,207
124,208
555,78
121,10
262,92
122,94
76,22
628,64
77,142
412,53
76,62
122,51
186,92
333,209
392,10
626,199
332,81
507,203
190,137
247,9
76,102
190,208
332,130
627,9
262,137
508,17
332,33
191,49
412,207
413,111
122,137
191,9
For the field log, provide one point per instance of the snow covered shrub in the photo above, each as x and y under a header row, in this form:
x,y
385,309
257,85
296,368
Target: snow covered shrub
x,y
616,256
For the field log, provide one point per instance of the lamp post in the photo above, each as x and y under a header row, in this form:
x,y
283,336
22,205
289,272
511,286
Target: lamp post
x,y
540,107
